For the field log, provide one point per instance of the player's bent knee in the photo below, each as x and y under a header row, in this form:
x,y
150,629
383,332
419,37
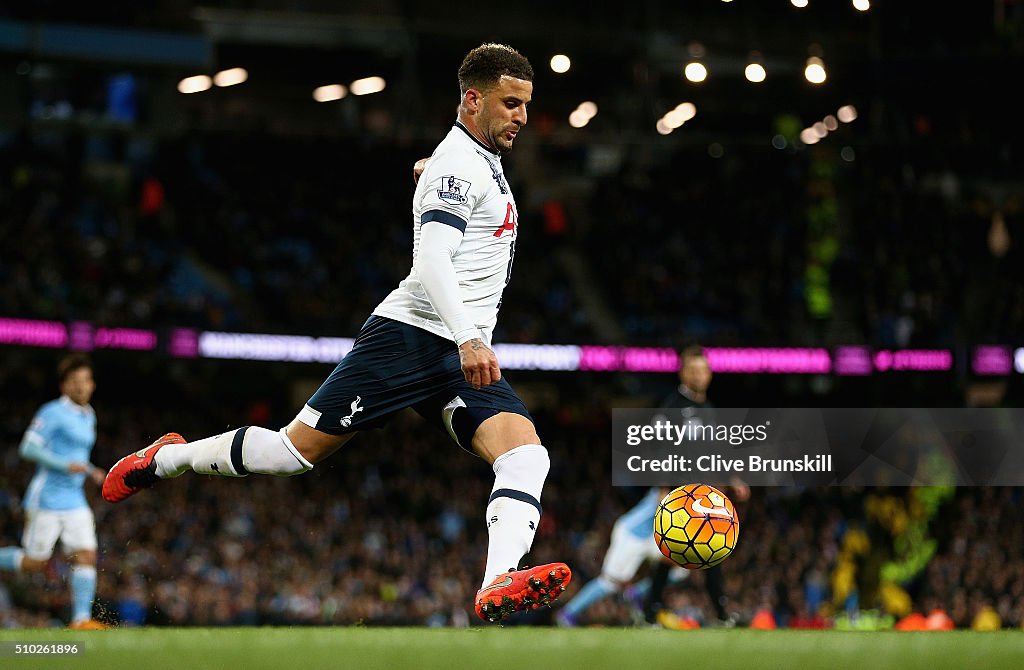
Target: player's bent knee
x,y
312,444
539,457
501,433
83,557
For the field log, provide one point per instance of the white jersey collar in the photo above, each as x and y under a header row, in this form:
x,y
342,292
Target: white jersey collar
x,y
492,152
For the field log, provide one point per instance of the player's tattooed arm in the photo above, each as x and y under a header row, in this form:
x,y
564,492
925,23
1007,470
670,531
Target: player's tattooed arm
x,y
479,364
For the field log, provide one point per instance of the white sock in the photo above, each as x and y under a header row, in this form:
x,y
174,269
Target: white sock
x,y
234,454
269,452
513,511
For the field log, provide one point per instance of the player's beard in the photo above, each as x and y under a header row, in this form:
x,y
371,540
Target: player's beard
x,y
501,143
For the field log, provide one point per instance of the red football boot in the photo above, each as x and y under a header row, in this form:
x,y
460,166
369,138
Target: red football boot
x,y
136,471
518,590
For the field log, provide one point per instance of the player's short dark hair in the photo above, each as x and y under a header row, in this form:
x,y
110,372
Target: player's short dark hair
x,y
70,363
485,65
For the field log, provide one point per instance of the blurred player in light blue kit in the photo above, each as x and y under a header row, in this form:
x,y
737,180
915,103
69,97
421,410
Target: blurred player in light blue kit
x,y
59,441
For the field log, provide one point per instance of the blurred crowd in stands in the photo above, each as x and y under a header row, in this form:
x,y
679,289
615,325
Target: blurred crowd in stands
x,y
757,246
919,249
258,235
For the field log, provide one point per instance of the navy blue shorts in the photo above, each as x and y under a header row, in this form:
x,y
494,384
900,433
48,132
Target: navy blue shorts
x,y
392,366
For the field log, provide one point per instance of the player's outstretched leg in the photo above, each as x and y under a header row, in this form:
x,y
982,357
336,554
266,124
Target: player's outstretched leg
x,y
517,590
232,454
136,471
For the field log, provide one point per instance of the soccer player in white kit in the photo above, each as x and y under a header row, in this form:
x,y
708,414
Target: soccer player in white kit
x,y
426,346
60,440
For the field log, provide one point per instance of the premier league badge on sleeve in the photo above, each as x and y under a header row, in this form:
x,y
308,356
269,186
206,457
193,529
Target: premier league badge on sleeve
x,y
453,189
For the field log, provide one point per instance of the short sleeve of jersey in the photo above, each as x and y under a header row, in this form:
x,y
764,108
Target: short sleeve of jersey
x,y
44,425
452,190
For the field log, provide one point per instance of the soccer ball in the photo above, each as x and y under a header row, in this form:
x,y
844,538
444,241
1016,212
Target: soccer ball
x,y
696,526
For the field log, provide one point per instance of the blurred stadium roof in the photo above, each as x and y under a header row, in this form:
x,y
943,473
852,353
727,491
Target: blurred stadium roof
x,y
627,57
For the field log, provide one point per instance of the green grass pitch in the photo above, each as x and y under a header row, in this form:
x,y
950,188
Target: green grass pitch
x,y
518,647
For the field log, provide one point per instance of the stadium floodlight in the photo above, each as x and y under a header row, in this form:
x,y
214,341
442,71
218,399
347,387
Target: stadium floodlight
x,y
195,84
367,85
798,3
674,119
695,71
578,119
815,70
830,122
581,116
808,136
682,113
230,77
687,109
847,113
754,71
862,5
588,108
560,63
329,92
662,127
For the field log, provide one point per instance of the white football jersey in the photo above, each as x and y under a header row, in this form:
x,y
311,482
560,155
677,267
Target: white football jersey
x,y
463,186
